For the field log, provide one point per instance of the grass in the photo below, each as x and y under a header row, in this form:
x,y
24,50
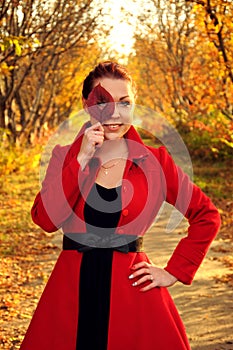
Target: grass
x,y
214,178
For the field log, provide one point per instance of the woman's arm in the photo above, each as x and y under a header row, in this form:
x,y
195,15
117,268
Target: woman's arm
x,y
65,176
204,222
60,190
202,215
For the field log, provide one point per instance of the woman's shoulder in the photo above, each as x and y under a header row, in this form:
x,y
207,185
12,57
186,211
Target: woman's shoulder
x,y
60,152
71,148
161,152
64,150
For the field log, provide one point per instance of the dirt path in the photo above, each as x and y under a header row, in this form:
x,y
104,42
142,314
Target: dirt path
x,y
206,306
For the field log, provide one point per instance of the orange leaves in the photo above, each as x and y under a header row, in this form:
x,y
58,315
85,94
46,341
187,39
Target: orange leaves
x,y
200,125
22,280
27,255
186,70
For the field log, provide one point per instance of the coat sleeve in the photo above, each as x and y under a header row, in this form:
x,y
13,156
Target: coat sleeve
x,y
202,215
60,190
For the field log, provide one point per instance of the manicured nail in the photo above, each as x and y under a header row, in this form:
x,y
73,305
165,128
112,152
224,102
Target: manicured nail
x,y
131,276
134,284
133,267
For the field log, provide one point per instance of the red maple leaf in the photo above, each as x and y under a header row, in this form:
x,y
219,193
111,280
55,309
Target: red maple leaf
x,y
100,104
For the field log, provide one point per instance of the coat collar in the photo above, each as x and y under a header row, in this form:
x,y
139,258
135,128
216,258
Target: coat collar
x,y
137,149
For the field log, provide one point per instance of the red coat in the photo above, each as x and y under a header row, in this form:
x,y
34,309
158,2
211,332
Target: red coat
x,y
138,320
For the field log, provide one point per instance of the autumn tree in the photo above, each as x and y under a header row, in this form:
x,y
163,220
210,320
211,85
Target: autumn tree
x,y
214,20
182,74
43,45
162,49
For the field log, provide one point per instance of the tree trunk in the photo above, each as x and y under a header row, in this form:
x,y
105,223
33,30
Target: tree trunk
x,y
2,114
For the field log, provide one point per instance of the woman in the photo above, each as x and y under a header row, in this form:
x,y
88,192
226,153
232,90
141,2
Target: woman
x,y
105,191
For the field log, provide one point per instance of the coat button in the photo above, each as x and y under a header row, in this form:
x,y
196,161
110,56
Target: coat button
x,y
125,212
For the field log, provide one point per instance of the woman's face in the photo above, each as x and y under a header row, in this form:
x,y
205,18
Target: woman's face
x,y
119,123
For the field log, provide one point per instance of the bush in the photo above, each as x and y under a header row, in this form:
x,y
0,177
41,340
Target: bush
x,y
209,137
17,158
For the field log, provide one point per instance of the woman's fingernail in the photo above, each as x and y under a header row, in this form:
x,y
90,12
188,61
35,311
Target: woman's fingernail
x,y
133,267
134,284
131,276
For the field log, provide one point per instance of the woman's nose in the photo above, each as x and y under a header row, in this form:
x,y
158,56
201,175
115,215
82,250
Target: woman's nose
x,y
116,112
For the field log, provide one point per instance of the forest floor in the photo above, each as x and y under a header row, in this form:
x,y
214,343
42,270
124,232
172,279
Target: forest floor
x,y
28,255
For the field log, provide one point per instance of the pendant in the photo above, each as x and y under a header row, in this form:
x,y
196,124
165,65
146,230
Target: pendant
x,y
105,171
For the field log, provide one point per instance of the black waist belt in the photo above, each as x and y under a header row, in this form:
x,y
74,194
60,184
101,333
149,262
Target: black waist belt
x,y
84,242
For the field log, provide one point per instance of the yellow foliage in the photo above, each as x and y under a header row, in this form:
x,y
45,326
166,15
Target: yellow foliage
x,y
5,69
16,159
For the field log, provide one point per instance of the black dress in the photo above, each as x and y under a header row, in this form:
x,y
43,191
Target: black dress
x,y
102,212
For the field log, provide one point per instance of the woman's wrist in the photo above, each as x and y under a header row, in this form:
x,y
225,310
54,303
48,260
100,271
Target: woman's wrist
x,y
82,160
172,278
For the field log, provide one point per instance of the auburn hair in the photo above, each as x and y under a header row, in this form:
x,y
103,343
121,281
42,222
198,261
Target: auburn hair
x,y
105,69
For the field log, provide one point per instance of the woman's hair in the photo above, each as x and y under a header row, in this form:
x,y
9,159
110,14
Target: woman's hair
x,y
107,69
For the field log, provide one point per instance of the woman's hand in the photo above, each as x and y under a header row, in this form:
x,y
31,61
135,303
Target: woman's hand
x,y
157,277
93,137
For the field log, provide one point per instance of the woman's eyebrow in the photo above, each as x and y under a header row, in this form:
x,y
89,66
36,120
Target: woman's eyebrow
x,y
122,98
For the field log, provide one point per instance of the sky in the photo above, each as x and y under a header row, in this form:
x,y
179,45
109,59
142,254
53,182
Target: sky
x,y
116,11
121,36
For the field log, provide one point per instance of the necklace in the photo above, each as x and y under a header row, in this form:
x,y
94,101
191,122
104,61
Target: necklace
x,y
106,169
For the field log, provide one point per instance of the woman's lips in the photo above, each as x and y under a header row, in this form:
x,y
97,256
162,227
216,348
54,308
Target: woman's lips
x,y
112,127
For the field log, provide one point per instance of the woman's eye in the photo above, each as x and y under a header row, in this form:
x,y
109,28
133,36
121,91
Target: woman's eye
x,y
101,104
124,103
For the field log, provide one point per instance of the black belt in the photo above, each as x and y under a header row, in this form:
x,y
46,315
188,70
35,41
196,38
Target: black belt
x,y
84,242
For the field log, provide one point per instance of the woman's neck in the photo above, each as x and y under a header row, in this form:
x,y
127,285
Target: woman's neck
x,y
112,149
